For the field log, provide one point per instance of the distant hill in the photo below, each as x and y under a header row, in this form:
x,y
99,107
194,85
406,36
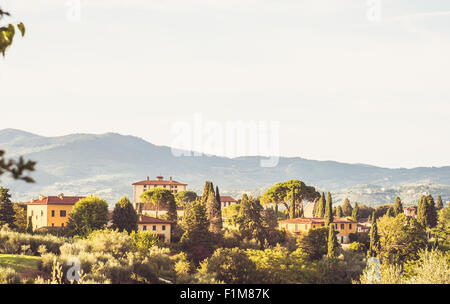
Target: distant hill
x,y
108,164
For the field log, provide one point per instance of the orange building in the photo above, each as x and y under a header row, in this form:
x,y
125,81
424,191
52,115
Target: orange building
x,y
51,211
297,226
160,227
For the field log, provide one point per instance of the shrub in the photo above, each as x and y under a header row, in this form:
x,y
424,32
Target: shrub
x,y
9,276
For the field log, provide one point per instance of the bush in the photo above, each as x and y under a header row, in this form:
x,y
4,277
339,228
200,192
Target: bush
x,y
16,243
9,276
357,247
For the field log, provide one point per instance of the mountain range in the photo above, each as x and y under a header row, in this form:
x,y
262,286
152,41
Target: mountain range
x,y
107,165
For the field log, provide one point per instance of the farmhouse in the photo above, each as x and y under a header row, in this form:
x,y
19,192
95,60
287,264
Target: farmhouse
x,y
51,211
142,186
160,227
297,226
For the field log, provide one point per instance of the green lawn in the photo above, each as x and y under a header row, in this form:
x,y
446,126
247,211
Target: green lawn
x,y
20,263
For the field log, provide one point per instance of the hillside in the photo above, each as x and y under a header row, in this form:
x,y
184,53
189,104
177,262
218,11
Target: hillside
x,y
108,164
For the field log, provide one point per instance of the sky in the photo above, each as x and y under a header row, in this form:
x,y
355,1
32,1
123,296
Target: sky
x,y
352,81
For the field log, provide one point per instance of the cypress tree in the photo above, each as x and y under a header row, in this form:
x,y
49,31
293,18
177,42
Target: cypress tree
x,y
422,211
124,216
30,225
321,207
206,190
398,206
7,213
439,204
431,212
329,210
355,212
374,238
172,214
338,211
347,208
213,213
332,243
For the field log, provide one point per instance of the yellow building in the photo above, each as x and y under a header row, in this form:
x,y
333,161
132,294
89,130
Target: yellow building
x,y
51,211
162,228
142,186
343,226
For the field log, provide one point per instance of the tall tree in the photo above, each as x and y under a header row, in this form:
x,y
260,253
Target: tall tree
x,y
398,206
124,216
250,220
208,188
7,214
329,210
439,204
332,243
338,211
30,225
355,212
213,213
158,197
196,238
172,214
320,211
20,215
219,208
431,212
422,211
301,211
374,237
347,207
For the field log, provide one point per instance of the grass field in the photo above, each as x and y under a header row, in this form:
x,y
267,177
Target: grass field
x,y
22,264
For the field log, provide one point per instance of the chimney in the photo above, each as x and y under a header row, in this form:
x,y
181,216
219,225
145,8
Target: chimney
x,y
61,196
41,197
160,178
171,178
148,177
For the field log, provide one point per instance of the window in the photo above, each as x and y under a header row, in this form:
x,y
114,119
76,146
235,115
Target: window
x,y
42,213
144,228
53,225
350,226
154,227
342,226
163,227
62,213
53,213
62,225
32,211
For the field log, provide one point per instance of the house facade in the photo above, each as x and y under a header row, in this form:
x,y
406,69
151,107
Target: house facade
x,y
298,226
410,211
51,211
142,186
160,227
226,201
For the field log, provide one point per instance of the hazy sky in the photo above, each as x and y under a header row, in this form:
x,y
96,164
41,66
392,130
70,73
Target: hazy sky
x,y
343,86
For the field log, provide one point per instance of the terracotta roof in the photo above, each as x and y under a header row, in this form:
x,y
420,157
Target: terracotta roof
x,y
227,199
144,219
159,181
314,221
56,200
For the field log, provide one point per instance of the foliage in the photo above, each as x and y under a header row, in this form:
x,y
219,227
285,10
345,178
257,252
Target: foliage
x,y
231,214
17,168
329,210
439,203
347,208
401,237
9,276
442,230
320,209
88,214
158,197
196,239
250,221
333,245
314,243
355,212
185,197
20,217
374,245
12,242
124,216
398,206
213,212
357,247
231,266
144,240
7,213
